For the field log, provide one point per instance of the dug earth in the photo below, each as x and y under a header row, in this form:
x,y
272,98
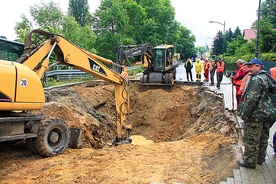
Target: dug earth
x,y
188,139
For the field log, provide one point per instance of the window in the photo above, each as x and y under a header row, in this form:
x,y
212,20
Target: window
x,y
10,50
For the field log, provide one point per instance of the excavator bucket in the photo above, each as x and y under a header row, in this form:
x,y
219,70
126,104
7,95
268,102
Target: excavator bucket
x,y
149,86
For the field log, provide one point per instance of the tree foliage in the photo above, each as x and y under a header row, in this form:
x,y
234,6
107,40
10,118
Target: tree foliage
x,y
136,22
22,28
114,23
79,9
267,37
49,17
218,44
268,12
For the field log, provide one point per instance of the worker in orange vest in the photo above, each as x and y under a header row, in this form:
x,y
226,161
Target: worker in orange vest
x,y
243,85
220,71
206,70
242,70
273,72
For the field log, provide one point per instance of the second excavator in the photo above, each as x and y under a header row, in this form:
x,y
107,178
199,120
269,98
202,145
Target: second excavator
x,y
159,62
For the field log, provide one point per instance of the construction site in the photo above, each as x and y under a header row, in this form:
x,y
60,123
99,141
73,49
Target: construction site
x,y
183,135
114,128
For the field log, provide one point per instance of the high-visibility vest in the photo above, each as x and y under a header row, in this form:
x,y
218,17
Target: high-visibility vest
x,y
273,72
241,72
206,65
244,83
220,66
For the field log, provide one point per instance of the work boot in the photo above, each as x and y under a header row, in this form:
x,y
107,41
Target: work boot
x,y
260,163
241,163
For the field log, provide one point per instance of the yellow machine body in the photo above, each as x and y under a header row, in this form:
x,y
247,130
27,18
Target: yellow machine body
x,y
20,88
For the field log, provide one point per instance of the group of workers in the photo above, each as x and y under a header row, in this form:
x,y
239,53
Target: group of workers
x,y
255,107
209,67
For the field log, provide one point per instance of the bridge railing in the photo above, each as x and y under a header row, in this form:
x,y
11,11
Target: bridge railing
x,y
61,72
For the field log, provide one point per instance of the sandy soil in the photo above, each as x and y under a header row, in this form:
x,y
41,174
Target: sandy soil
x,y
192,140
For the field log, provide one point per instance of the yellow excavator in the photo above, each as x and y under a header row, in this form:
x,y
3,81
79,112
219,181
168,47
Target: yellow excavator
x,y
21,91
159,63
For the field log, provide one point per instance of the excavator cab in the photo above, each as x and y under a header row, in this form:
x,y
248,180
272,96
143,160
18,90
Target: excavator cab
x,y
164,57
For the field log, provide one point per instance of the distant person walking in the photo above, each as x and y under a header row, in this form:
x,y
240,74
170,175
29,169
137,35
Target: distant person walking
x,y
188,66
241,71
220,71
254,109
212,69
198,70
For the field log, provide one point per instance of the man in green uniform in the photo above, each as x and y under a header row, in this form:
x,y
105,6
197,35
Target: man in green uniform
x,y
253,110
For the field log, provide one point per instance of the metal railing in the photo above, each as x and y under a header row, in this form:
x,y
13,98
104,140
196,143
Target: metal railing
x,y
61,72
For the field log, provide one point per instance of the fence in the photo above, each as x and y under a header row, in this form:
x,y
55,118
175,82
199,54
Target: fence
x,y
61,72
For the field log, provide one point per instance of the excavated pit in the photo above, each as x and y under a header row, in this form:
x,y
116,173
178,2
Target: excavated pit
x,y
193,138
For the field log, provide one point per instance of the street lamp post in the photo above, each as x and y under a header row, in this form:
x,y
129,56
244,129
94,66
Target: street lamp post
x,y
258,30
223,24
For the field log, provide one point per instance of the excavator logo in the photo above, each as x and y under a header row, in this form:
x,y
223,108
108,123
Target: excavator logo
x,y
95,67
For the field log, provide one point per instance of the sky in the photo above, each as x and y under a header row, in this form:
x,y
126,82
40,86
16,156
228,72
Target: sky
x,y
192,14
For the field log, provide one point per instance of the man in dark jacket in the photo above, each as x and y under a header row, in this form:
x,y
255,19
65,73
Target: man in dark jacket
x,y
254,110
188,66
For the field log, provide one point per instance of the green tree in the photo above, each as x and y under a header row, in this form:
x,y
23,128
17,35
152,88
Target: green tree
x,y
83,37
161,12
229,35
47,16
247,48
185,43
267,37
79,9
237,32
22,28
268,12
218,44
135,22
234,45
111,24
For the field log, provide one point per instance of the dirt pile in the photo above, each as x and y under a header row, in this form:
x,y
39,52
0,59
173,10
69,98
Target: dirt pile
x,y
192,139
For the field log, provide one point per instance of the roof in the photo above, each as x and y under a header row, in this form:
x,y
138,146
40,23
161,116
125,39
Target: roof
x,y
163,46
249,34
